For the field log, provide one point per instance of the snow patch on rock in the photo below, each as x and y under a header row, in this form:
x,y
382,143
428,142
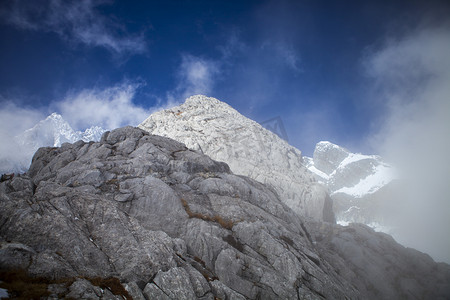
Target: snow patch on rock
x,y
381,176
354,174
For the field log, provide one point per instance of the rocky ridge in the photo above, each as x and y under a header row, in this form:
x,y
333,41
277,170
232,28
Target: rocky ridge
x,y
219,131
165,222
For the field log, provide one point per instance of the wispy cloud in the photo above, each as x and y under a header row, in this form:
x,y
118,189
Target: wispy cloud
x,y
74,21
14,119
109,108
412,79
195,75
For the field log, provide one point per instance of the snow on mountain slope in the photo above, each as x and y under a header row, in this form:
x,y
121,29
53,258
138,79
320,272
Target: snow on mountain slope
x,y
350,173
93,133
216,129
55,131
52,131
358,184
381,176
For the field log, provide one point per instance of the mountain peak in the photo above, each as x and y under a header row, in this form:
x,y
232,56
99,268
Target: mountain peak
x,y
213,127
207,104
54,116
327,156
51,131
202,99
198,232
324,146
357,183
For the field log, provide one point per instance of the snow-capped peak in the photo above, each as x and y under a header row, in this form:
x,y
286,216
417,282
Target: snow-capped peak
x,y
358,183
55,116
327,156
345,172
52,131
381,175
326,145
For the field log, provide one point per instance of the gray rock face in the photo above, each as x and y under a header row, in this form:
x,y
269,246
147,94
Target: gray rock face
x,y
171,223
213,127
377,266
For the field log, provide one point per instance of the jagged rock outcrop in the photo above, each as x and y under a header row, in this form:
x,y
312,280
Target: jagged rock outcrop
x,y
219,131
171,223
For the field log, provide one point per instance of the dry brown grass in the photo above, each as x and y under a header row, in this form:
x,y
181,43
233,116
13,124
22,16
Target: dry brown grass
x,y
22,286
227,224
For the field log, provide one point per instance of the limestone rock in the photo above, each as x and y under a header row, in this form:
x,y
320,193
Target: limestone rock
x,y
217,130
171,223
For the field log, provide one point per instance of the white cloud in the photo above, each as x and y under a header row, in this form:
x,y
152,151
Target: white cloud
x,y
412,79
109,108
195,76
74,21
16,118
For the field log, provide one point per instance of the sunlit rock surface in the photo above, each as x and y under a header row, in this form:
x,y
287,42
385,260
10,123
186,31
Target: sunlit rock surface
x,y
167,222
216,129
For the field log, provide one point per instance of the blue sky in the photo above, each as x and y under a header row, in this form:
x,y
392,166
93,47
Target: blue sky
x,y
113,62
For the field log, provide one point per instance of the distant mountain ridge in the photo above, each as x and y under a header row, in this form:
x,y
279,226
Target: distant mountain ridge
x,y
52,131
55,131
357,183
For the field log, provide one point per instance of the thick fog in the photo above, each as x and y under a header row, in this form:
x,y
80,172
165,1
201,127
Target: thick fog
x,y
412,79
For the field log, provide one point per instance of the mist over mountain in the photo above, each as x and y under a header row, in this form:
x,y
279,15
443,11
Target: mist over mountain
x,y
407,201
17,151
357,184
